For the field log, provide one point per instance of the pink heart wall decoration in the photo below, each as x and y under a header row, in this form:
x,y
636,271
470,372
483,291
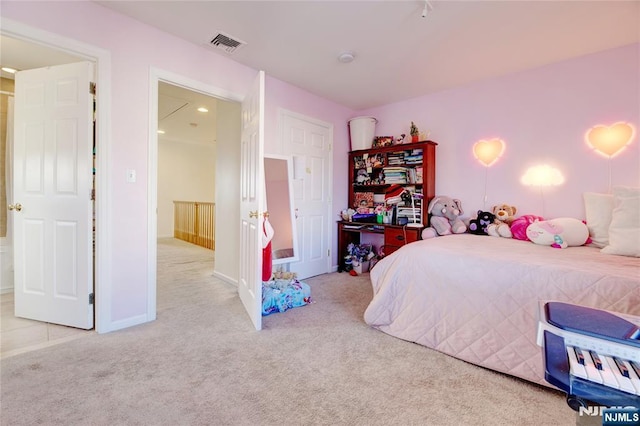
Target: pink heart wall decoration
x,y
488,152
609,141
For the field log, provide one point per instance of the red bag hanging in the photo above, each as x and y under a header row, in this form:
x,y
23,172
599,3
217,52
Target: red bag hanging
x,y
267,266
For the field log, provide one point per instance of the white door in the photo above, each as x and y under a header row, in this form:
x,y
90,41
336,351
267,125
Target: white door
x,y
52,184
251,193
310,141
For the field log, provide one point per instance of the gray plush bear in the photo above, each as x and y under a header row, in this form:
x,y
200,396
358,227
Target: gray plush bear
x,y
445,217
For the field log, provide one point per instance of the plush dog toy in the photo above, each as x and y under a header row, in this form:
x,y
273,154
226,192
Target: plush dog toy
x,y
501,226
480,224
561,232
445,217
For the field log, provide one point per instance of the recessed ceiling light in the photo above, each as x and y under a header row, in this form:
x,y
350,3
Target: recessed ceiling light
x,y
9,70
160,132
346,57
203,109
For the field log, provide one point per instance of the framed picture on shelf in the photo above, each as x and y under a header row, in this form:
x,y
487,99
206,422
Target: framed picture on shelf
x,y
363,200
381,141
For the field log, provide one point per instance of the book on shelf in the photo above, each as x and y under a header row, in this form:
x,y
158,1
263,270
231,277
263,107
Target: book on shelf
x,y
395,175
418,174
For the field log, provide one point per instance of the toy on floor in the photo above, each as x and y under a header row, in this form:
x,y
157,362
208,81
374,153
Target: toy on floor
x,y
284,292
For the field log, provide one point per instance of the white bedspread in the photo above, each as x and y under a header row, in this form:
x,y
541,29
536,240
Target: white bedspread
x,y
477,297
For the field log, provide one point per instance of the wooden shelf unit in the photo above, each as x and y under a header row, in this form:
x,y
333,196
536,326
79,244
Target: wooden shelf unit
x,y
415,157
374,161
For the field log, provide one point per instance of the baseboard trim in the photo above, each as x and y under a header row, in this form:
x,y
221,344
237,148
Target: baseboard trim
x,y
225,278
128,322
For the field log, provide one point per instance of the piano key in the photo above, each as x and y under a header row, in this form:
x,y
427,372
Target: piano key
x,y
622,367
596,359
579,355
621,377
633,376
576,368
610,373
636,367
592,371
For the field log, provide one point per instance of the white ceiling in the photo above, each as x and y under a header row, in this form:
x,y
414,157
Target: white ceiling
x,y
398,53
179,117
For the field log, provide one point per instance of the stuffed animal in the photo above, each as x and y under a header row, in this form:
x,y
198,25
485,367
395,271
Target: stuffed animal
x,y
520,224
362,177
480,224
445,217
562,232
501,226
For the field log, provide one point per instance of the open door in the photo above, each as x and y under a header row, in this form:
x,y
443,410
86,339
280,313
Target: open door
x,y
52,203
251,193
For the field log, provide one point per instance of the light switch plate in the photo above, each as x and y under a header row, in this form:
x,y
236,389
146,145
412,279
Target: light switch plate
x,y
131,175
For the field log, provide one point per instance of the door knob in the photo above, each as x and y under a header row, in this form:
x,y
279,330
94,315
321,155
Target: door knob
x,y
253,214
17,207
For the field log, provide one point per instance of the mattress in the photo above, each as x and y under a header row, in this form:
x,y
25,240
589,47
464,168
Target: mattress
x,y
477,297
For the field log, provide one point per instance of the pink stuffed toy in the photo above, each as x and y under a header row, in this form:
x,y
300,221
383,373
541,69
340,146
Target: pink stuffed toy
x,y
559,233
520,224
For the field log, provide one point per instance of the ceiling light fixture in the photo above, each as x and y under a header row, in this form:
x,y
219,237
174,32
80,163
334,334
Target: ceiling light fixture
x,y
9,70
346,57
203,109
160,132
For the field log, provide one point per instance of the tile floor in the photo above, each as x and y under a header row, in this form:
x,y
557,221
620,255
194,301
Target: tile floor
x,y
19,335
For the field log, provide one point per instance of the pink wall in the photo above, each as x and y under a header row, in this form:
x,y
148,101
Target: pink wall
x,y
542,115
135,48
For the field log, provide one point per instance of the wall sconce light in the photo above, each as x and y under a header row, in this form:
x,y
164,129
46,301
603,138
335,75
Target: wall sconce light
x,y
487,152
609,141
542,176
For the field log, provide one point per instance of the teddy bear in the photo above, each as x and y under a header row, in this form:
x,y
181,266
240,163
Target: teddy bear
x,y
482,221
501,227
561,232
445,217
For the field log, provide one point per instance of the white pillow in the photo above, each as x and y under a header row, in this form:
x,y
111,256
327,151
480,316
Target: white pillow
x,y
624,231
598,210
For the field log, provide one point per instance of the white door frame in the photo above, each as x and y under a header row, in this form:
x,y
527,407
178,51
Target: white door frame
x,y
156,75
102,59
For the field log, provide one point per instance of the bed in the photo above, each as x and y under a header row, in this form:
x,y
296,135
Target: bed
x,y
477,297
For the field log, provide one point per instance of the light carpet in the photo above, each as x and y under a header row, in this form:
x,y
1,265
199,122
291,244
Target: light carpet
x,y
202,363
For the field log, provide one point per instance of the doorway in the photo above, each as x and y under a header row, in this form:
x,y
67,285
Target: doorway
x,y
186,180
19,334
219,133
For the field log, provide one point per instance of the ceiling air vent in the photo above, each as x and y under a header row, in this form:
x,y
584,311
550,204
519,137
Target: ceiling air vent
x,y
226,42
